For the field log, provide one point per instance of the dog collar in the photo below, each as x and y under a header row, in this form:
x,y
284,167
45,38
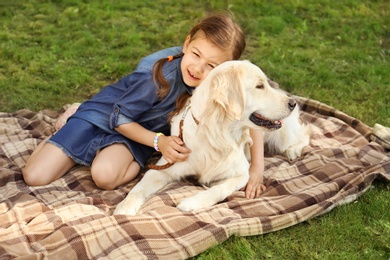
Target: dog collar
x,y
188,107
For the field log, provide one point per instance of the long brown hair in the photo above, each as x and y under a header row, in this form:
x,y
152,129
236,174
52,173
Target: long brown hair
x,y
223,31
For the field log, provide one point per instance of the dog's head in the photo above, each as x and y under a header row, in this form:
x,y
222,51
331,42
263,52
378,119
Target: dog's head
x,y
239,91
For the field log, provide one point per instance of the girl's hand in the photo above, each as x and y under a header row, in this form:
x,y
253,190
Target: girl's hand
x,y
255,186
173,149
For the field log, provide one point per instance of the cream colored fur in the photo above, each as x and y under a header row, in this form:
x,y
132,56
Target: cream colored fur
x,y
290,139
223,104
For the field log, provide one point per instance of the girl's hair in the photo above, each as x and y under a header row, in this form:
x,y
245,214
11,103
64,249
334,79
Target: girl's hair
x,y
222,30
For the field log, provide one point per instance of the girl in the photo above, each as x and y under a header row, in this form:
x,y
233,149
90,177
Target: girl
x,y
116,130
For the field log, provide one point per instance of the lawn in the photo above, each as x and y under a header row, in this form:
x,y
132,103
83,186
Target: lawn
x,y
58,52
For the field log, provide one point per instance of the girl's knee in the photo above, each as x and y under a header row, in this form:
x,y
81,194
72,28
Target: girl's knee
x,y
46,164
28,176
104,177
33,176
108,177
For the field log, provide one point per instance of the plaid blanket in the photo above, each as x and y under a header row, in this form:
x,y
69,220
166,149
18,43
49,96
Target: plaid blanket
x,y
72,218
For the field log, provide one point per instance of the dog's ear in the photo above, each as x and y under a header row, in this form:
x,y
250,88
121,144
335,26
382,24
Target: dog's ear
x,y
227,91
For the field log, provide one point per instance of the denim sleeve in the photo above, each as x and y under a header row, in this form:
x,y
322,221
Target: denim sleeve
x,y
139,97
122,119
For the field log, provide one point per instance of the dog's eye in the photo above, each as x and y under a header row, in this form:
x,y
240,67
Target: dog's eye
x,y
260,86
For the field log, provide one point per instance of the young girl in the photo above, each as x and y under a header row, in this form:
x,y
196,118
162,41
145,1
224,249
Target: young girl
x,y
118,129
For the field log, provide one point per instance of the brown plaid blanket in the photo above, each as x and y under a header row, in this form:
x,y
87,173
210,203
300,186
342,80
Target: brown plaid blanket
x,y
71,218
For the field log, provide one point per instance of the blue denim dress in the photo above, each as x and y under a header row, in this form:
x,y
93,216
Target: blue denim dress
x,y
131,99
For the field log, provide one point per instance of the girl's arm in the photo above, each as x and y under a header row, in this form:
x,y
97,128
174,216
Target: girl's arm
x,y
255,184
171,147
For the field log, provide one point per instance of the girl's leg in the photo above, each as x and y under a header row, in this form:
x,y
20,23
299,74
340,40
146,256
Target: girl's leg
x,y
46,164
114,166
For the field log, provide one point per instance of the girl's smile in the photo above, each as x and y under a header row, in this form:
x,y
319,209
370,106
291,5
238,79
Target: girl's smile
x,y
192,76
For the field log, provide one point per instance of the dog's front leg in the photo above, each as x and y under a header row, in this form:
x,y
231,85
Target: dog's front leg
x,y
152,181
213,195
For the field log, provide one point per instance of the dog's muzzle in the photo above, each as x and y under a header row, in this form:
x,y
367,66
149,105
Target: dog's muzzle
x,y
257,119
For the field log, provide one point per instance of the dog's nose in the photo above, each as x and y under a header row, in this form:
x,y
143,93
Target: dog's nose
x,y
292,104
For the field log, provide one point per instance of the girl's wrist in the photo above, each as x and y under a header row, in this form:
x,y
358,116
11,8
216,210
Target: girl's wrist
x,y
256,169
155,141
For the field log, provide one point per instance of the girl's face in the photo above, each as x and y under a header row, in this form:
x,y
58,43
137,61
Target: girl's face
x,y
200,57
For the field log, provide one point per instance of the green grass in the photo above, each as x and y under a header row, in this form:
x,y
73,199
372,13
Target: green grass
x,y
58,52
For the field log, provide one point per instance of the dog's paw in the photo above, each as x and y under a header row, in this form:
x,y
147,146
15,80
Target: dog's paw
x,y
187,205
293,153
129,206
193,203
296,150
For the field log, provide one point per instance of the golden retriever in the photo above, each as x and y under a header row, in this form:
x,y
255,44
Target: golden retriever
x,y
233,98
